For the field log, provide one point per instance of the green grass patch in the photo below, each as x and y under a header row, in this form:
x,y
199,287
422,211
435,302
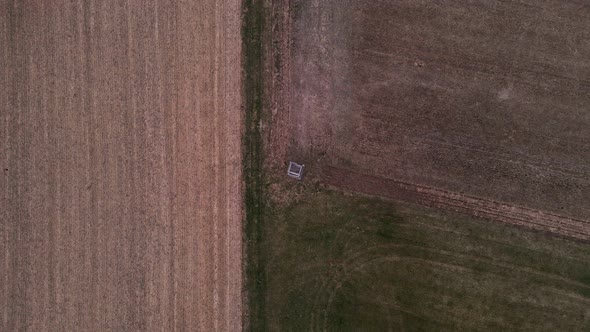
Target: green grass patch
x,y
342,263
255,280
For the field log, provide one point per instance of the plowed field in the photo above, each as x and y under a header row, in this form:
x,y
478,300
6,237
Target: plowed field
x,y
120,129
484,99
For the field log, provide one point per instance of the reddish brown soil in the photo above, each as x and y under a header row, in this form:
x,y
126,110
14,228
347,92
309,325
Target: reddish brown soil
x,y
277,91
483,99
120,149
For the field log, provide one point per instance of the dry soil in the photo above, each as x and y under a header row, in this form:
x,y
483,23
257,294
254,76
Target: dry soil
x,y
120,130
484,99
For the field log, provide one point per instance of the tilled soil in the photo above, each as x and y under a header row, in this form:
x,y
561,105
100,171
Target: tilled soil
x,y
121,201
480,99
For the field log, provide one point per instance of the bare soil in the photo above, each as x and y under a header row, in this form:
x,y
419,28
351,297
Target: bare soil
x,y
485,100
120,148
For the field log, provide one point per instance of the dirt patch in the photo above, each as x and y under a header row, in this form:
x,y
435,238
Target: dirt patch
x,y
275,125
482,99
121,149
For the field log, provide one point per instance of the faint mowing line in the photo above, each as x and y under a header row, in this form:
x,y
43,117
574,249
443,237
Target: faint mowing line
x,y
214,238
172,165
4,137
161,163
227,171
365,259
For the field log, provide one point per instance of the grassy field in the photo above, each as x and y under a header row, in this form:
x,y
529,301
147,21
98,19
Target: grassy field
x,y
252,41
338,262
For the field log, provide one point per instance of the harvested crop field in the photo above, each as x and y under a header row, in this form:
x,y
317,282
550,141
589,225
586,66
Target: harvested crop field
x,y
484,99
120,148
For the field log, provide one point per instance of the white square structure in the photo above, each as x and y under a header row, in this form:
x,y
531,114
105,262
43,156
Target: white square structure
x,y
295,170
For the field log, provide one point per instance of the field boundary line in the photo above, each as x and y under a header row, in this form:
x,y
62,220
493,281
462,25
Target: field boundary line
x,y
432,197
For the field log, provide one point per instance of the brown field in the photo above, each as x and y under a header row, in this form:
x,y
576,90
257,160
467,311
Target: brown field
x,y
483,100
121,200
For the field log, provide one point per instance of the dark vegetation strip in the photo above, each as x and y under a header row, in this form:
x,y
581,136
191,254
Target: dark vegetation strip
x,y
255,280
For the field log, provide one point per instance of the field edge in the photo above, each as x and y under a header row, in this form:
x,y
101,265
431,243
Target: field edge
x,y
253,28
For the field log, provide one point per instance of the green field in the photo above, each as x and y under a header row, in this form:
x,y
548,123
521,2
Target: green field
x,y
337,262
